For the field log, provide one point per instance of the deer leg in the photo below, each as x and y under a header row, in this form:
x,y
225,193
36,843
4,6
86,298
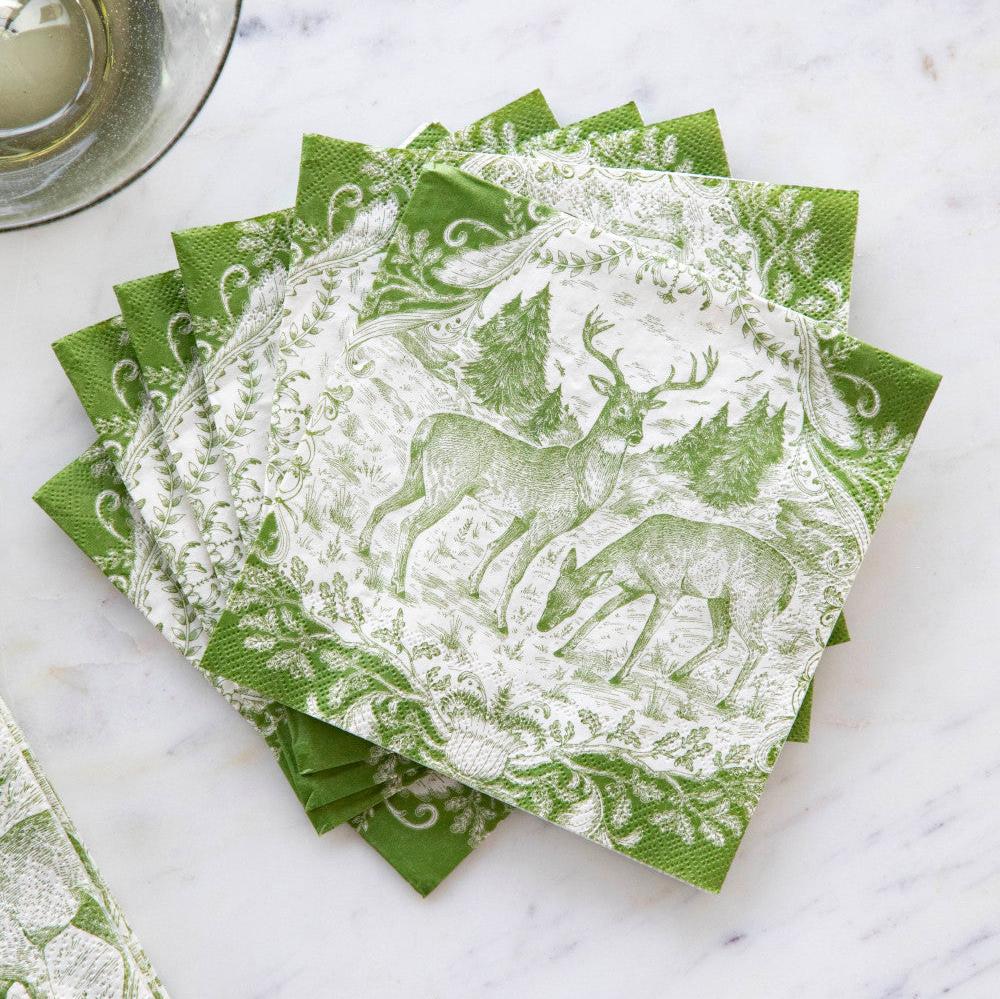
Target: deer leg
x,y
661,608
755,655
414,525
605,610
514,531
532,545
748,628
411,490
718,608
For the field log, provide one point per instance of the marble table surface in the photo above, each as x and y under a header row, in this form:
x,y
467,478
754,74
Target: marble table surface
x,y
873,865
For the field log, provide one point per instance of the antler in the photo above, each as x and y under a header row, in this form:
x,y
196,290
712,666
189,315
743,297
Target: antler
x,y
693,382
593,325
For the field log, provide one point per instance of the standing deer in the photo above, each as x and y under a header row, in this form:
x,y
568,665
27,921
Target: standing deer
x,y
744,581
546,490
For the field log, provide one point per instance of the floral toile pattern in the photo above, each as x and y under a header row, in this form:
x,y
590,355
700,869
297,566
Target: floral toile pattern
x,y
161,330
61,930
571,628
104,371
234,278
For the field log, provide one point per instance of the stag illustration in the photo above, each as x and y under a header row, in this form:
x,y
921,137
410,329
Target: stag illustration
x,y
744,581
545,490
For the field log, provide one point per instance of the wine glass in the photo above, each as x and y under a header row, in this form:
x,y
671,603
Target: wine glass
x,y
94,92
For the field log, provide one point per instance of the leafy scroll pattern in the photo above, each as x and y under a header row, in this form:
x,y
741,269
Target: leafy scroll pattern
x,y
514,749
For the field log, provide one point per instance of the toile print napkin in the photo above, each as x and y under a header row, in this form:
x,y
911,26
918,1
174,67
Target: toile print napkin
x,y
161,332
761,245
63,933
698,146
102,367
603,609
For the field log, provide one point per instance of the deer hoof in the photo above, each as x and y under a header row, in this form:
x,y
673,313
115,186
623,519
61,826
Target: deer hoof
x,y
678,676
560,653
725,704
616,680
365,549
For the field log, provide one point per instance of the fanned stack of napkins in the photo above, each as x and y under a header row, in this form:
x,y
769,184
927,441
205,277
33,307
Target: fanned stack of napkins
x,y
522,465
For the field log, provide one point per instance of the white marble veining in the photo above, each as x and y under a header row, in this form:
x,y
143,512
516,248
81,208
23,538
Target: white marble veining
x,y
873,865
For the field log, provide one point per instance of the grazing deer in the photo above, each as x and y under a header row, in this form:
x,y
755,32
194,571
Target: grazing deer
x,y
546,490
743,580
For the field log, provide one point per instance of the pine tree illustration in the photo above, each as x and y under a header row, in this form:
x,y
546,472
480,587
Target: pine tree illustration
x,y
776,435
700,446
751,448
509,374
547,419
724,464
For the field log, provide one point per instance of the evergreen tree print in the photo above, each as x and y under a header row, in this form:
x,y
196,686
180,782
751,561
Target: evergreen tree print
x,y
508,376
699,447
552,420
546,421
724,464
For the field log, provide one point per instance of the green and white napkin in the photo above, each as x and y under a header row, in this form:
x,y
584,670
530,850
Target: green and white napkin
x,y
61,931
497,555
610,621
104,371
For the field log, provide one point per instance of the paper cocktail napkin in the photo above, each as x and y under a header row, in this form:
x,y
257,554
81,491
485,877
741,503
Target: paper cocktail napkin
x,y
102,367
498,612
171,371
649,146
62,930
369,185
374,179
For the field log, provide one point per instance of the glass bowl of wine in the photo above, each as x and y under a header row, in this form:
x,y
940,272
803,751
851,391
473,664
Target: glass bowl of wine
x,y
94,92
